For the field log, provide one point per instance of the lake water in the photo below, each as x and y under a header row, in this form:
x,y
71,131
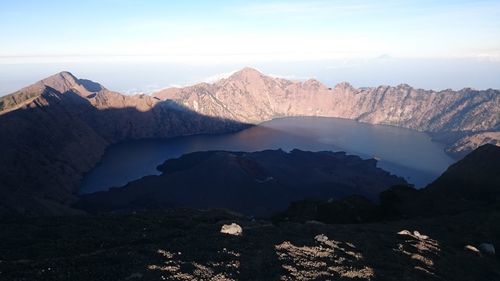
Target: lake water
x,y
406,153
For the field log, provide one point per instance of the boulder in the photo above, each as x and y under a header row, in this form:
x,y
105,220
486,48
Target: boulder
x,y
321,238
420,236
415,234
405,232
232,229
487,249
472,249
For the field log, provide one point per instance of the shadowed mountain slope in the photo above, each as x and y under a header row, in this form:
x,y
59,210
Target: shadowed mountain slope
x,y
476,176
470,184
57,129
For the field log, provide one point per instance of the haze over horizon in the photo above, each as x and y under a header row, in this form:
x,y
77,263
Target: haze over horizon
x,y
450,44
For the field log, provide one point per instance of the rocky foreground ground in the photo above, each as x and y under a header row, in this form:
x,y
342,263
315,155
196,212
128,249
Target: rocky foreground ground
x,y
185,244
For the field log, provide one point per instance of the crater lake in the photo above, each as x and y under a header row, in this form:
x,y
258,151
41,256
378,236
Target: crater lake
x,y
407,153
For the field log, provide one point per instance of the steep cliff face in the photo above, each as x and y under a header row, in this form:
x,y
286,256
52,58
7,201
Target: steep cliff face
x,y
471,141
250,96
57,129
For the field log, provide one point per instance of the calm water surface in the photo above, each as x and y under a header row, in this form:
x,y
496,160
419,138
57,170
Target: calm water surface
x,y
403,152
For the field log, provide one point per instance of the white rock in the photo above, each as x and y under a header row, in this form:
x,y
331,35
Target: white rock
x,y
472,249
487,249
321,238
415,234
420,236
232,229
405,232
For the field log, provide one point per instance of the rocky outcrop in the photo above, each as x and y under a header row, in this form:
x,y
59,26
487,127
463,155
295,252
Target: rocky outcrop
x,y
249,96
256,183
57,129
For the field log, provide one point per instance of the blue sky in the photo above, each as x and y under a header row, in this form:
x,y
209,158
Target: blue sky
x,y
139,45
248,30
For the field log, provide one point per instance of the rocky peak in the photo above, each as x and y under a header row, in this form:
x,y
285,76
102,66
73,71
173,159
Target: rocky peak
x,y
62,81
344,86
65,81
404,86
313,84
247,73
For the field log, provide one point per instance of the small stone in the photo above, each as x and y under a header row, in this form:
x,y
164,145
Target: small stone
x,y
321,238
472,249
405,232
487,249
232,229
420,236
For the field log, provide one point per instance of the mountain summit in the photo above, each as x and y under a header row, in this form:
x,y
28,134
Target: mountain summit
x,y
62,81
246,73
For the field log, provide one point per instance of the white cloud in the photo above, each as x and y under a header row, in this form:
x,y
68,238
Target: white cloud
x,y
217,77
492,55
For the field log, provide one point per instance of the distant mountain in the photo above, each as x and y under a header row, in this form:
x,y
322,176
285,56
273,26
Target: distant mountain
x,y
57,129
256,183
468,117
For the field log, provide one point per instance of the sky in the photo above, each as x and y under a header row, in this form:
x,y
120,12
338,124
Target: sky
x,y
222,35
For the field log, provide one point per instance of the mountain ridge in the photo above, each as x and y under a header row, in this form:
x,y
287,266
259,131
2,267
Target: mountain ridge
x,y
57,129
469,117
